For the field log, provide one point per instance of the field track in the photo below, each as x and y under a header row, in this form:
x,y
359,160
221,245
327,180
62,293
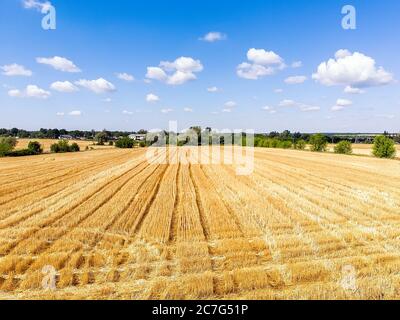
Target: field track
x,y
114,226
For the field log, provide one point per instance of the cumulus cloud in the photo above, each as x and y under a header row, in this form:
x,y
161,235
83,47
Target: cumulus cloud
x,y
59,63
42,6
308,108
337,108
341,104
152,98
213,89
125,76
177,72
351,90
75,113
295,79
213,37
15,70
352,69
65,86
269,109
31,91
227,110
304,107
188,109
230,104
287,103
166,110
15,93
60,114
260,63
97,86
297,64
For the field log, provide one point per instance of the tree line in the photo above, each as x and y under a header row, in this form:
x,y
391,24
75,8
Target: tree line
x,y
56,133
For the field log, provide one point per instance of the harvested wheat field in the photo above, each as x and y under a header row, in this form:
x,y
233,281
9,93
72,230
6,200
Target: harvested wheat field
x,y
362,149
46,144
114,226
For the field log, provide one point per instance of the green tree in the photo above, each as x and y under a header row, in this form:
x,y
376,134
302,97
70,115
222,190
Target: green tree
x,y
300,144
61,147
125,143
7,144
344,147
384,147
101,138
74,147
318,142
35,147
285,144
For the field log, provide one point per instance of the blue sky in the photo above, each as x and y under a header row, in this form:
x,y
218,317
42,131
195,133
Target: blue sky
x,y
254,63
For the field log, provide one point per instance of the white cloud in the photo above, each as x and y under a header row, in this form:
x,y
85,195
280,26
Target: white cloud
x,y
60,114
152,98
269,109
230,104
297,64
308,108
177,72
337,108
278,90
295,79
351,90
343,102
188,109
126,112
342,53
263,57
227,110
253,71
107,100
31,91
59,63
261,63
38,5
98,86
213,89
15,93
180,77
15,70
75,113
213,36
352,69
167,110
125,76
287,103
156,73
65,86
302,106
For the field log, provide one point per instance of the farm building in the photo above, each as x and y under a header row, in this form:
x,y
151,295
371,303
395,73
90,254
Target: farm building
x,y
138,137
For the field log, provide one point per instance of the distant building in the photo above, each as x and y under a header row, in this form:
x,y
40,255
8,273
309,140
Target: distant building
x,y
65,137
138,137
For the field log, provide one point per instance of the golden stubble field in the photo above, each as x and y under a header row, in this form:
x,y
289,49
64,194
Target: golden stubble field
x,y
112,226
46,143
